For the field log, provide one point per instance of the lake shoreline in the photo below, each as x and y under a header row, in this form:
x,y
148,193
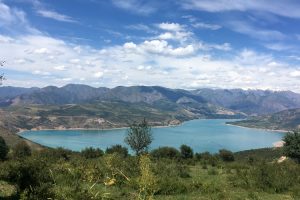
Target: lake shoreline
x,y
94,129
262,129
126,127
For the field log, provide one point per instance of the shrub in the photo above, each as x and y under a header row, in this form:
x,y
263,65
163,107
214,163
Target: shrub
x,y
291,146
165,152
56,154
119,149
31,176
3,149
91,152
186,152
21,150
226,155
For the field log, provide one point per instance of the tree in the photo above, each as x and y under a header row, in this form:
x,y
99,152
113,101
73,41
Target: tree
x,y
3,149
119,149
139,137
186,152
291,147
1,75
22,150
226,155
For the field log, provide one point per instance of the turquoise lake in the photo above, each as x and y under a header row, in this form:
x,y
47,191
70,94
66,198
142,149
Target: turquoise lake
x,y
202,135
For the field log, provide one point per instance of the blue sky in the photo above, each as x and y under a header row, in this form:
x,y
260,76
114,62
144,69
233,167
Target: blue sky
x,y
178,44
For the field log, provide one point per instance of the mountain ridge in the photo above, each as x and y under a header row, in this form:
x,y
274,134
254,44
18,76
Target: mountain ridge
x,y
251,102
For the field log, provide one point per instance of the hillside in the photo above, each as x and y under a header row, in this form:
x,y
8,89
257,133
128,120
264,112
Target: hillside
x,y
284,120
251,102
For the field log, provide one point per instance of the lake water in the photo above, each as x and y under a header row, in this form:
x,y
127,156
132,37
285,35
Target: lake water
x,y
201,135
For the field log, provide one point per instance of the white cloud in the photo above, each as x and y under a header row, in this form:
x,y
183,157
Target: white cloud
x,y
255,32
142,67
162,47
41,51
280,46
56,16
177,36
295,73
141,27
60,68
98,74
206,26
14,20
208,47
119,66
289,8
136,6
170,26
38,72
174,31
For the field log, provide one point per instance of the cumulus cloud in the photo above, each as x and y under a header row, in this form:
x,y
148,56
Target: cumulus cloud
x,y
170,26
173,58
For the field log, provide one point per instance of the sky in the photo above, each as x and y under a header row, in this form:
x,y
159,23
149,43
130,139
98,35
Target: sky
x,y
186,44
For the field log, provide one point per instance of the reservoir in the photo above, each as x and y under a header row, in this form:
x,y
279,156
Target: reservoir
x,y
202,135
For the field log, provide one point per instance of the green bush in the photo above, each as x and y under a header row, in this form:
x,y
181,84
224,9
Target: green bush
x,y
90,153
3,149
57,154
291,146
276,177
186,152
165,152
31,176
119,149
21,150
226,155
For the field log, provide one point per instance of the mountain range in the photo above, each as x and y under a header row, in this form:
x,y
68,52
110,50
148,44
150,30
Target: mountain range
x,y
251,102
120,105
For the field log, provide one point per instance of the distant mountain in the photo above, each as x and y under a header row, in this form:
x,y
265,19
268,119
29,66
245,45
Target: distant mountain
x,y
7,93
51,95
203,102
284,120
251,102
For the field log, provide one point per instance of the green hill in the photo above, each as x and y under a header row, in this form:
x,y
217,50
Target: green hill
x,y
284,120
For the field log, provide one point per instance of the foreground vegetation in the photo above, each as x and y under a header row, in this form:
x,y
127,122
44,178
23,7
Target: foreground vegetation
x,y
164,173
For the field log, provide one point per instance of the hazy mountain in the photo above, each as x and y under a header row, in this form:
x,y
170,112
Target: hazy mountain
x,y
284,120
69,94
8,92
251,101
204,102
